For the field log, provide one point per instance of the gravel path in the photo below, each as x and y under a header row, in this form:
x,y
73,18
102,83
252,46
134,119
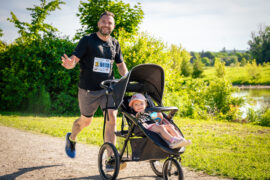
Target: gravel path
x,y
25,155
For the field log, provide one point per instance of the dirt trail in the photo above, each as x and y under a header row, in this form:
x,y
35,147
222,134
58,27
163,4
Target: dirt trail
x,y
25,155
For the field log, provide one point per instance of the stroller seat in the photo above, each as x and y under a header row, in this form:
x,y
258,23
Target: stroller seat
x,y
141,131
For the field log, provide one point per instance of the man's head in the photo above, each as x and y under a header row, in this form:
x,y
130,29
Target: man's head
x,y
106,23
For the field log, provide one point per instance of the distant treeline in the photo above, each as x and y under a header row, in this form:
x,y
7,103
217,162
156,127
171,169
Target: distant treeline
x,y
230,58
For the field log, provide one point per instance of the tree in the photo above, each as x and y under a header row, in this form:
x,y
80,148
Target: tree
x,y
1,33
260,45
31,31
126,17
220,68
186,68
253,70
243,62
206,61
197,68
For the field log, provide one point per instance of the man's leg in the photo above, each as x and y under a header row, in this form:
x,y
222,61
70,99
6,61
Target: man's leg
x,y
111,137
111,126
78,125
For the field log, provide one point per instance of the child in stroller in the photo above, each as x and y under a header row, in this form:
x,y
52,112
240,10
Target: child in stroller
x,y
157,123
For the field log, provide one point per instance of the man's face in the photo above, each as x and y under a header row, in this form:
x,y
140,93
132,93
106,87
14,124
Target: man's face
x,y
106,25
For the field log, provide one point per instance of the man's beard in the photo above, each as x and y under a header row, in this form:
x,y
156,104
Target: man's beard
x,y
105,33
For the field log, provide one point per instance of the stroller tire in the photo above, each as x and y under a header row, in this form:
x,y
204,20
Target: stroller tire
x,y
108,156
156,166
172,170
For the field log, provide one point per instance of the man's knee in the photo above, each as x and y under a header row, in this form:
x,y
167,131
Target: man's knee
x,y
85,121
112,115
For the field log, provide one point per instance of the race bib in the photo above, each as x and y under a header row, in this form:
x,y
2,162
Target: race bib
x,y
102,65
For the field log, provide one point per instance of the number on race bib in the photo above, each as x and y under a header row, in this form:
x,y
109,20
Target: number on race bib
x,y
102,65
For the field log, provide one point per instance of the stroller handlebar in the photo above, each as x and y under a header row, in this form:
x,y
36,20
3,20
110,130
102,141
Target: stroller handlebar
x,y
160,109
172,110
107,84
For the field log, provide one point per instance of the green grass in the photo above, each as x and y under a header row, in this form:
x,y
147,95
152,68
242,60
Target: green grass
x,y
239,151
239,75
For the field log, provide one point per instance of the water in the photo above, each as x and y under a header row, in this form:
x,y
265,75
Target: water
x,y
257,99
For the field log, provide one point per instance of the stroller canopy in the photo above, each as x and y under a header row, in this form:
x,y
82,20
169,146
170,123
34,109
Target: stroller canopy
x,y
145,78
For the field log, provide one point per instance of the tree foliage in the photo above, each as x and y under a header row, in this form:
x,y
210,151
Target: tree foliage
x,y
220,68
260,45
126,17
253,70
37,27
197,68
186,68
1,32
31,70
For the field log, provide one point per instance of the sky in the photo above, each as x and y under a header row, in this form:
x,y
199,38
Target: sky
x,y
196,25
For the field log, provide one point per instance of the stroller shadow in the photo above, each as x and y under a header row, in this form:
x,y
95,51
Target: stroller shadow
x,y
139,177
97,177
21,171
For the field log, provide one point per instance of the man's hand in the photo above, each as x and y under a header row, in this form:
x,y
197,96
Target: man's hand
x,y
68,63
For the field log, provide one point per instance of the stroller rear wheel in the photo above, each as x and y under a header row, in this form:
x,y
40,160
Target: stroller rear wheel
x,y
172,170
108,161
156,166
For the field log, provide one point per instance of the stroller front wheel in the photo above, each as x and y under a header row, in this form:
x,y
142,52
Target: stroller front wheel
x,y
172,170
156,166
108,161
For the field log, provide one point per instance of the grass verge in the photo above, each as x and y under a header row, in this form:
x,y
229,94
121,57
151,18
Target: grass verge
x,y
240,151
240,76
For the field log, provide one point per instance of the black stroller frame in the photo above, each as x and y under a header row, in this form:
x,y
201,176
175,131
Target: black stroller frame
x,y
147,79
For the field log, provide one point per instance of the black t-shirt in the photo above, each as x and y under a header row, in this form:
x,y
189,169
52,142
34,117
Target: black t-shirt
x,y
96,60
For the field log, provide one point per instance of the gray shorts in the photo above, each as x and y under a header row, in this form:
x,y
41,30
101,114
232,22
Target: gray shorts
x,y
89,101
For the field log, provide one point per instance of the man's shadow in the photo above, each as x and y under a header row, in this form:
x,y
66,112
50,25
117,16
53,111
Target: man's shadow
x,y
21,171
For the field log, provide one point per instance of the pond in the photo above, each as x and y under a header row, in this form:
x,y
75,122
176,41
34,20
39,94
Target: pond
x,y
256,98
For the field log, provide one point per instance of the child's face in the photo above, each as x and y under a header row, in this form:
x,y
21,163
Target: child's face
x,y
139,106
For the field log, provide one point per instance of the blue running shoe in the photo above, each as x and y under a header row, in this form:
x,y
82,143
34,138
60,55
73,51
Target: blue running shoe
x,y
70,147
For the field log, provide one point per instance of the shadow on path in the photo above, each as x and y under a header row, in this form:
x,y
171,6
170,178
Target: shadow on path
x,y
21,171
140,177
97,177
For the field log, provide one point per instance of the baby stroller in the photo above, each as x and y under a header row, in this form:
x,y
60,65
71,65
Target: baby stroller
x,y
147,79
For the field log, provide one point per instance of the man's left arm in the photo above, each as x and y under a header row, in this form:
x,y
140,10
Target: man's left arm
x,y
122,68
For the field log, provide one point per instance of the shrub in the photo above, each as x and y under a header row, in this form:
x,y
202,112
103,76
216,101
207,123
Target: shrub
x,y
65,104
220,68
253,70
39,101
265,119
220,101
27,66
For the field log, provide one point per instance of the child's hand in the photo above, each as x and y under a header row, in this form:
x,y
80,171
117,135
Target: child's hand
x,y
139,113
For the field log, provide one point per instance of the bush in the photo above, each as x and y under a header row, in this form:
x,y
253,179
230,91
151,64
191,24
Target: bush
x,y
197,68
253,70
39,101
252,115
65,104
28,66
265,119
220,101
220,68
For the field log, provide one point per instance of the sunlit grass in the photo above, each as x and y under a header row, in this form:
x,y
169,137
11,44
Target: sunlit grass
x,y
240,151
239,75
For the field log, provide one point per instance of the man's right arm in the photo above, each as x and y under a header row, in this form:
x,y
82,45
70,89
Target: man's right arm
x,y
69,63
